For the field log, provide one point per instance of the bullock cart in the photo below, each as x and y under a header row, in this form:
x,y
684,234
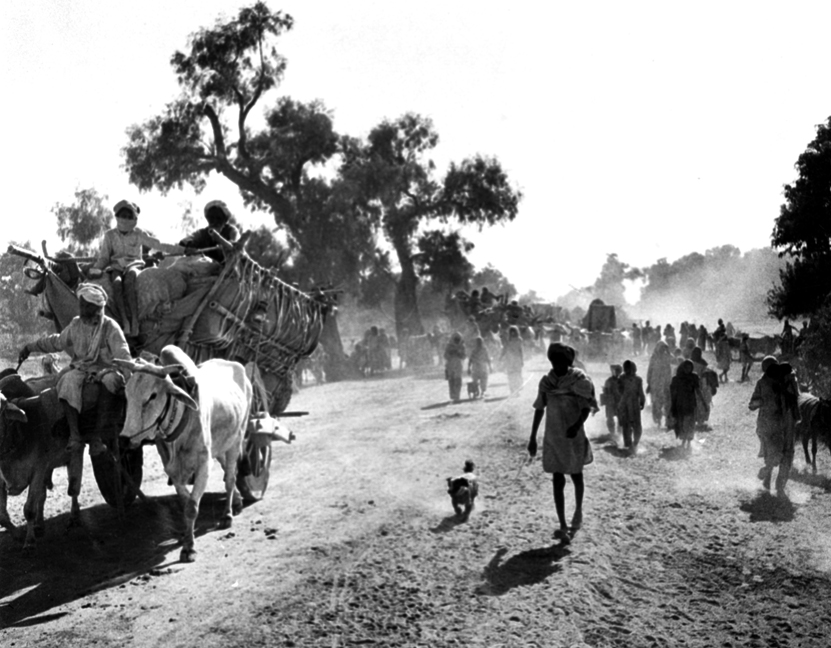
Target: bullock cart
x,y
236,310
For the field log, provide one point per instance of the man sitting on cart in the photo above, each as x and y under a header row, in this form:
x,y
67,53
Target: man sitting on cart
x,y
121,256
219,220
92,341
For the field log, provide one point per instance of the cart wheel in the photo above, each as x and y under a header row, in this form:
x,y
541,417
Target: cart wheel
x,y
107,475
254,469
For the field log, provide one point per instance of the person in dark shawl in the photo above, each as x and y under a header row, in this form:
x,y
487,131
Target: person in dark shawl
x,y
702,337
566,396
705,405
512,359
219,220
479,366
685,393
454,356
776,398
632,400
610,397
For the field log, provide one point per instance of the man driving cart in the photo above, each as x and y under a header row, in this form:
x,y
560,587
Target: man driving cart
x,y
92,340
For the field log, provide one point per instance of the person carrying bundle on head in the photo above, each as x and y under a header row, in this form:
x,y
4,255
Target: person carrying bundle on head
x,y
219,220
121,255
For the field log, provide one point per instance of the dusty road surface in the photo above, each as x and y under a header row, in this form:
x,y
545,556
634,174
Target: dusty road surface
x,y
355,543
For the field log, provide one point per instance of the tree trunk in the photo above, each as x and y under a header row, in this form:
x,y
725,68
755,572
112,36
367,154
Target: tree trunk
x,y
337,362
406,301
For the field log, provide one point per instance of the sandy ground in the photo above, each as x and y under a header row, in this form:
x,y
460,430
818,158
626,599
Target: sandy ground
x,y
355,542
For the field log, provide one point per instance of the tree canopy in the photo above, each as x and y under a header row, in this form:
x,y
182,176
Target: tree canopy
x,y
284,167
496,282
228,69
802,232
395,175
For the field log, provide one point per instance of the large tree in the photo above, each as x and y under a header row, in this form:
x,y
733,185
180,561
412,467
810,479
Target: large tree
x,y
227,71
803,232
398,178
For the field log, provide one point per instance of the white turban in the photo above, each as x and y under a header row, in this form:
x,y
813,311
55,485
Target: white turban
x,y
92,293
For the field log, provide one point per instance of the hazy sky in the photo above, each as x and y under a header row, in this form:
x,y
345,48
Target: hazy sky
x,y
647,129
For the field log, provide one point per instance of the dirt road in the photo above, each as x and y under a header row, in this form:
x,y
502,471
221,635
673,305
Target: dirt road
x,y
355,542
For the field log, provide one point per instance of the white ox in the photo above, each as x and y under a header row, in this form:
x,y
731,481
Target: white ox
x,y
189,432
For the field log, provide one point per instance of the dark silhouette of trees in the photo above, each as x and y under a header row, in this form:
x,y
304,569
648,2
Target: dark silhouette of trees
x,y
398,179
496,282
227,71
441,260
802,233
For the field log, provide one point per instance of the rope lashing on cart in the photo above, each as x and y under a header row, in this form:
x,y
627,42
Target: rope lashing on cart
x,y
261,319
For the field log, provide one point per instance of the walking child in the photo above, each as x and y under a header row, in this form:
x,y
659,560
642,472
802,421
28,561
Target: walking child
x,y
632,401
610,397
479,366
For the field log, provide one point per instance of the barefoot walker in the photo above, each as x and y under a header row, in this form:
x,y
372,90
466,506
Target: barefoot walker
x,y
566,396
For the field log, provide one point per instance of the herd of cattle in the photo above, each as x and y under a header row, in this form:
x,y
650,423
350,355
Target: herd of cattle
x,y
192,413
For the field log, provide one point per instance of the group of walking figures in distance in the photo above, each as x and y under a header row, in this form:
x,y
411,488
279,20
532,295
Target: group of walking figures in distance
x,y
566,397
681,388
681,385
480,364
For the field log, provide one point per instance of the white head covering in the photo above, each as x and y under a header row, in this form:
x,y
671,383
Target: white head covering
x,y
93,293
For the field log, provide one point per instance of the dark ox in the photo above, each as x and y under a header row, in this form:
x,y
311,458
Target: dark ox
x,y
33,438
815,424
189,430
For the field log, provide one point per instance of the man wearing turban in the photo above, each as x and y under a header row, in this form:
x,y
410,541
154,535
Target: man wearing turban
x,y
121,256
219,220
92,340
566,397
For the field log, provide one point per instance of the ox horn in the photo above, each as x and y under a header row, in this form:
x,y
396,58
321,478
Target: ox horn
x,y
149,368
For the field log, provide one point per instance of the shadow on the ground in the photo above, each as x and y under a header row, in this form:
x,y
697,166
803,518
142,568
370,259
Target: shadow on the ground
x,y
674,453
603,438
615,451
495,399
440,405
100,554
525,568
448,524
808,478
765,507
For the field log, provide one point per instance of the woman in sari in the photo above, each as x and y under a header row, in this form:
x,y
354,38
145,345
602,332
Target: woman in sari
x,y
512,359
685,394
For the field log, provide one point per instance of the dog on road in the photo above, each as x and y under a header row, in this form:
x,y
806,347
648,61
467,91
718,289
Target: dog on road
x,y
463,491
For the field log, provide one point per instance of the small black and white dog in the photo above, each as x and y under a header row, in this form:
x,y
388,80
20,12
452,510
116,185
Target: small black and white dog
x,y
463,491
473,389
